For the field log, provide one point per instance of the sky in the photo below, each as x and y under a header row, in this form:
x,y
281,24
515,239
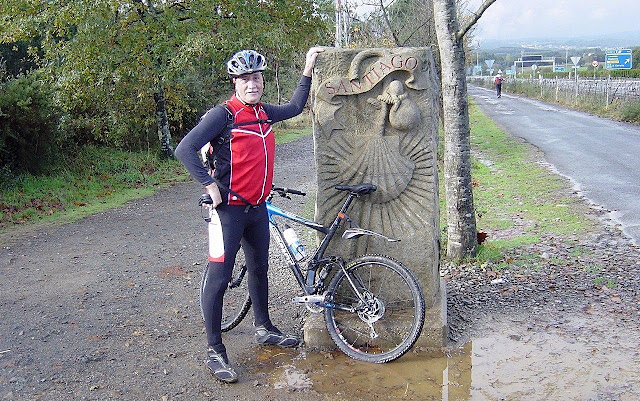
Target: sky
x,y
515,19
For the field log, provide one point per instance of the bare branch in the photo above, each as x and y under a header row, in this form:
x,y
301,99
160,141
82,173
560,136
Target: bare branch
x,y
476,16
417,29
386,20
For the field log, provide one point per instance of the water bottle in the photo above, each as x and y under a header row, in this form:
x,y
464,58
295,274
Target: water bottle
x,y
294,244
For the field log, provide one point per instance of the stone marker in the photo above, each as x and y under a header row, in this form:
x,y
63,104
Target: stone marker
x,y
375,120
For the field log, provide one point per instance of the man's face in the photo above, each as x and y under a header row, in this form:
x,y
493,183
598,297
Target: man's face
x,y
249,87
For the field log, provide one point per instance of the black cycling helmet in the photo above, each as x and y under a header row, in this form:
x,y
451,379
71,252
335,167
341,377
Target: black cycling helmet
x,y
246,62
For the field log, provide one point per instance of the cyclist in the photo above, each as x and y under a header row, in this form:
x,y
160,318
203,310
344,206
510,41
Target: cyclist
x,y
498,82
239,185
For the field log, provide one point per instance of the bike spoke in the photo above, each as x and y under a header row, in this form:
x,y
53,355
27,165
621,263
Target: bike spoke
x,y
387,318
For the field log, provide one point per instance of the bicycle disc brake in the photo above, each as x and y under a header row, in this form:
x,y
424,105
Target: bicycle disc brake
x,y
371,311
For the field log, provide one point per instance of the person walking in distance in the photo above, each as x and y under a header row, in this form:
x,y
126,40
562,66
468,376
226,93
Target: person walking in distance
x,y
239,182
498,82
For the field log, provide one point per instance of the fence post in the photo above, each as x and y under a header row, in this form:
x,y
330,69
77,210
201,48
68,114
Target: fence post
x,y
576,99
606,106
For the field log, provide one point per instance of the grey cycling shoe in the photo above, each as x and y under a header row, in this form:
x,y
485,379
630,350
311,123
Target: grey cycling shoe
x,y
265,336
218,363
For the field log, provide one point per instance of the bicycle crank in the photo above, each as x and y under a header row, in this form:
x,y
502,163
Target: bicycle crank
x,y
314,303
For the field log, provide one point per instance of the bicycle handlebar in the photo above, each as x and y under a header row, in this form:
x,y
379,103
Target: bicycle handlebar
x,y
205,199
285,191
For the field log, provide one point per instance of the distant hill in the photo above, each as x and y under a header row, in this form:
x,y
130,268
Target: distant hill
x,y
603,41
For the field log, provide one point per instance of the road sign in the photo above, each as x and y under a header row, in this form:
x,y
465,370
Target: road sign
x,y
575,60
534,67
595,64
620,60
558,69
490,63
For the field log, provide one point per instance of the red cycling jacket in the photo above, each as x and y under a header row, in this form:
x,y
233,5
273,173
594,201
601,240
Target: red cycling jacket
x,y
244,164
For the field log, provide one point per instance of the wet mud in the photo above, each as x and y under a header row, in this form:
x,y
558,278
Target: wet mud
x,y
551,355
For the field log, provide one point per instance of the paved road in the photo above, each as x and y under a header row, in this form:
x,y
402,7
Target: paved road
x,y
601,157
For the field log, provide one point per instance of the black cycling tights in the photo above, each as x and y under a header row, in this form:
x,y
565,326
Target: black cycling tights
x,y
251,228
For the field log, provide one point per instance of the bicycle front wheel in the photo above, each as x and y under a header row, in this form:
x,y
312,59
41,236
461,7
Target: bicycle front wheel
x,y
236,302
376,314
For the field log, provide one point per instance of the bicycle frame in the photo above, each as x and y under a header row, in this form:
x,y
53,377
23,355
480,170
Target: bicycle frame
x,y
307,284
350,303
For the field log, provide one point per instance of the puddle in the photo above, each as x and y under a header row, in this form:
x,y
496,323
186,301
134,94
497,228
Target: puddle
x,y
539,358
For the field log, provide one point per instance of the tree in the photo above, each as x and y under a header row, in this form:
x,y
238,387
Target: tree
x,y
398,23
28,121
462,238
124,69
635,62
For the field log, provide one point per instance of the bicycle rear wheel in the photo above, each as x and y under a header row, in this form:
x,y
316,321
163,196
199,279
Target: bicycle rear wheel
x,y
236,302
386,320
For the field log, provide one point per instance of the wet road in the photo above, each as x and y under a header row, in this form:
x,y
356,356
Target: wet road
x,y
601,157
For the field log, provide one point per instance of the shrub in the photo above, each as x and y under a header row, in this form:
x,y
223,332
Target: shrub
x,y
630,112
28,124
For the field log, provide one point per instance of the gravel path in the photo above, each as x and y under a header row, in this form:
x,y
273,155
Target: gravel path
x,y
107,308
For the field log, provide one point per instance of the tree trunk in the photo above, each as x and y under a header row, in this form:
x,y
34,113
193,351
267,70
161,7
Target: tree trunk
x,y
163,124
462,240
277,71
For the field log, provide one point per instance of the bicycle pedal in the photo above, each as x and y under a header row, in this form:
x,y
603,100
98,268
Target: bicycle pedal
x,y
309,299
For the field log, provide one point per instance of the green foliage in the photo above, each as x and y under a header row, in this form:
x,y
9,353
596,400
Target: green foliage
x,y
629,112
96,179
494,251
106,60
15,59
293,129
28,123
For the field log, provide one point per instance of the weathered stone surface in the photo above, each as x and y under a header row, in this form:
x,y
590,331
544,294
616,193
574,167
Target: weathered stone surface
x,y
375,120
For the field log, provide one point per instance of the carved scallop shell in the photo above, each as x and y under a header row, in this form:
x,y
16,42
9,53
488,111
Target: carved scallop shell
x,y
377,159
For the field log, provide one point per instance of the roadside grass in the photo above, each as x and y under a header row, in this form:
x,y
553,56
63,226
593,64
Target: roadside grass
x,y
96,180
294,128
517,198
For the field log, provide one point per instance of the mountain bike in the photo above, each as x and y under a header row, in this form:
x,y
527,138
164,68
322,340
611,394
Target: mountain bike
x,y
373,305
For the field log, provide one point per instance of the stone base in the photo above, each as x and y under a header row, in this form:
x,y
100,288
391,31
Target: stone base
x,y
434,332
316,335
435,329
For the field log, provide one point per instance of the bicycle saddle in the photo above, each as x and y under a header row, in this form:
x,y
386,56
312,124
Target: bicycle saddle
x,y
360,189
